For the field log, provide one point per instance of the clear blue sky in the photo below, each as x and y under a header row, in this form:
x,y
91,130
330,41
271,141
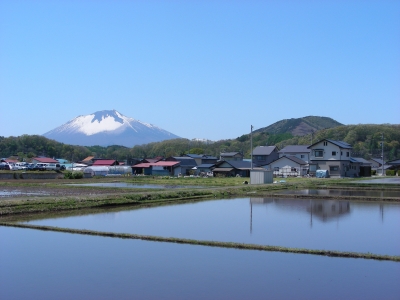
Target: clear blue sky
x,y
199,69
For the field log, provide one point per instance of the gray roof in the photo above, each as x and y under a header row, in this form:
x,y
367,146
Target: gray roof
x,y
362,160
185,161
230,153
394,162
354,160
378,160
340,144
194,155
240,164
209,157
263,150
293,158
205,165
296,149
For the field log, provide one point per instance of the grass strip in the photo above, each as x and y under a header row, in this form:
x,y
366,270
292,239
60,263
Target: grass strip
x,y
208,243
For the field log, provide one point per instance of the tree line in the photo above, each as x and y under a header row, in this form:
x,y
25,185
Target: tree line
x,y
365,140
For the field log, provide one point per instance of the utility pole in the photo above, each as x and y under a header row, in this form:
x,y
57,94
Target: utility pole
x,y
383,162
251,145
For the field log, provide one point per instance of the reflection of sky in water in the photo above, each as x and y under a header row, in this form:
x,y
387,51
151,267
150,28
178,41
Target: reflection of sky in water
x,y
299,223
50,265
337,192
136,185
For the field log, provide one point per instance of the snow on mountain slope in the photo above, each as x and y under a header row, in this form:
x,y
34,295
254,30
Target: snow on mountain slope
x,y
108,127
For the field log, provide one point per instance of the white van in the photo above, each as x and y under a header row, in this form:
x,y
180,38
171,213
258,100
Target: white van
x,y
51,166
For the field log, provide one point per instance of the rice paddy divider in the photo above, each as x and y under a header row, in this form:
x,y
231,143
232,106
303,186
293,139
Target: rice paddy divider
x,y
208,243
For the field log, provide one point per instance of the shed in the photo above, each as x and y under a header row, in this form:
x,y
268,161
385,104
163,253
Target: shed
x,y
261,176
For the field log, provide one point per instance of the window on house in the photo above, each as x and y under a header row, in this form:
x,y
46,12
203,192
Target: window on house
x,y
276,169
334,168
260,157
319,153
301,156
325,143
347,154
333,153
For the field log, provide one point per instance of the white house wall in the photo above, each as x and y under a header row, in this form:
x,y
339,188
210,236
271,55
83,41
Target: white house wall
x,y
341,154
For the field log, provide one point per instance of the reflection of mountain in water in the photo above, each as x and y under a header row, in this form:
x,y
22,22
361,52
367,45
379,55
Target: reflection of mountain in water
x,y
322,209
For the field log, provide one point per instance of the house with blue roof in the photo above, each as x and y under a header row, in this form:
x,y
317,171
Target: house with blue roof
x,y
335,157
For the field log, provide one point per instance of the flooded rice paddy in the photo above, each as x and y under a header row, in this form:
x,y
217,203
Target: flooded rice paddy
x,y
337,192
46,265
298,223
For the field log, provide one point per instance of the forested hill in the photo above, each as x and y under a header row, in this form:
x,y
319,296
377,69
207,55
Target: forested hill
x,y
365,140
300,126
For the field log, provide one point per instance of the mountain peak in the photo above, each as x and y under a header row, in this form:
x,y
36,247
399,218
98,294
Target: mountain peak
x,y
108,127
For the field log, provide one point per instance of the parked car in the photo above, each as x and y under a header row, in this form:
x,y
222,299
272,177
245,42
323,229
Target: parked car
x,y
21,166
54,167
31,167
2,166
41,166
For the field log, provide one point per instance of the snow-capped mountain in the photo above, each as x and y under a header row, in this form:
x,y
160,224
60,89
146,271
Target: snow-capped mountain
x,y
108,127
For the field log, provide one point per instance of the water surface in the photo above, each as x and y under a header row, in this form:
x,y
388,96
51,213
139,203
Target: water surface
x,y
340,192
50,265
299,223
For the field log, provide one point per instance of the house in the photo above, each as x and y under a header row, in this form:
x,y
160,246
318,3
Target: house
x,y
44,160
335,157
229,156
161,168
202,158
300,151
204,168
88,160
365,167
234,168
105,162
288,166
263,155
376,162
186,164
395,165
196,157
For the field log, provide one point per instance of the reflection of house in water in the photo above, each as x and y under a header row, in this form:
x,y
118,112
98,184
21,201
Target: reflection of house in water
x,y
324,210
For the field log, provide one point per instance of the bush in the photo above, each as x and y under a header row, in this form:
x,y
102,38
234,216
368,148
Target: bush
x,y
73,175
390,172
373,172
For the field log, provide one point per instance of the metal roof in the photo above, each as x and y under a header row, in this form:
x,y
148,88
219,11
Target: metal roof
x,y
394,162
230,153
205,165
194,155
340,144
159,163
104,162
378,160
264,150
292,158
45,160
222,169
362,160
239,164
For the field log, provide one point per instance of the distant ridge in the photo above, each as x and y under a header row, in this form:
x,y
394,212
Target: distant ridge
x,y
108,127
300,126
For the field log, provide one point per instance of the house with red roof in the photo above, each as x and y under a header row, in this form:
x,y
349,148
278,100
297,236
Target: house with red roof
x,y
105,162
44,160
